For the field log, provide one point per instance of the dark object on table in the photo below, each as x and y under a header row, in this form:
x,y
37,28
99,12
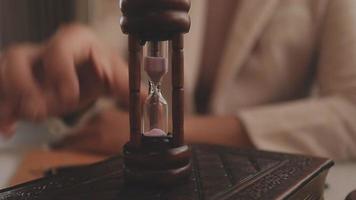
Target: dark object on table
x,y
351,196
218,173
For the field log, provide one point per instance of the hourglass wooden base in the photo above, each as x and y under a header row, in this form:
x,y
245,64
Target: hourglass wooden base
x,y
157,164
218,173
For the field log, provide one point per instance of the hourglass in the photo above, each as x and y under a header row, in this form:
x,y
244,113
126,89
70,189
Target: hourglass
x,y
155,120
155,154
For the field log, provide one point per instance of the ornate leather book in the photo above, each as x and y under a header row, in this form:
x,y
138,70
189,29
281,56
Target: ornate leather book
x,y
351,196
219,173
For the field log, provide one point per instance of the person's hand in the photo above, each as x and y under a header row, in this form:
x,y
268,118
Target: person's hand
x,y
57,77
104,133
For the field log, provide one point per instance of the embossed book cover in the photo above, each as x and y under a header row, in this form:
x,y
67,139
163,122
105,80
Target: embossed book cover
x,y
218,173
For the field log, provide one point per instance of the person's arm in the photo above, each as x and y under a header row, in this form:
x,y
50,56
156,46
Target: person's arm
x,y
107,132
216,130
323,126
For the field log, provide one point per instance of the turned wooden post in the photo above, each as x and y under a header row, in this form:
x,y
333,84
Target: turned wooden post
x,y
178,89
135,61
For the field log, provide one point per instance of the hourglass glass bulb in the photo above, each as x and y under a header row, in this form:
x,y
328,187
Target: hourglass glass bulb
x,y
155,120
155,67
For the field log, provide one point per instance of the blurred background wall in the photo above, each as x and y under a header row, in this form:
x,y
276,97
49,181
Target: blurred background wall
x,y
36,20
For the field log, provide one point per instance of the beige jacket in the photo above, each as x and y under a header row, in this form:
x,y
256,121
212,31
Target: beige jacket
x,y
278,52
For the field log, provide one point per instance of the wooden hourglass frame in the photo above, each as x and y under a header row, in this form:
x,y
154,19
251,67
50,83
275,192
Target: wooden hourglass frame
x,y
153,160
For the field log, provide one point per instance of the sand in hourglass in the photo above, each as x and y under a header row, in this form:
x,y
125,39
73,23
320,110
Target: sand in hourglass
x,y
156,132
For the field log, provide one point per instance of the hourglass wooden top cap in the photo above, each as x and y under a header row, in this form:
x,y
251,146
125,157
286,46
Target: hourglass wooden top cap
x,y
155,20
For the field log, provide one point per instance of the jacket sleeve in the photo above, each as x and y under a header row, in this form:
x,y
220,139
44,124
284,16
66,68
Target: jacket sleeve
x,y
325,125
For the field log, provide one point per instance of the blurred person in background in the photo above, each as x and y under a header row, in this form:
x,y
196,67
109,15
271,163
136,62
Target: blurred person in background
x,y
275,75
